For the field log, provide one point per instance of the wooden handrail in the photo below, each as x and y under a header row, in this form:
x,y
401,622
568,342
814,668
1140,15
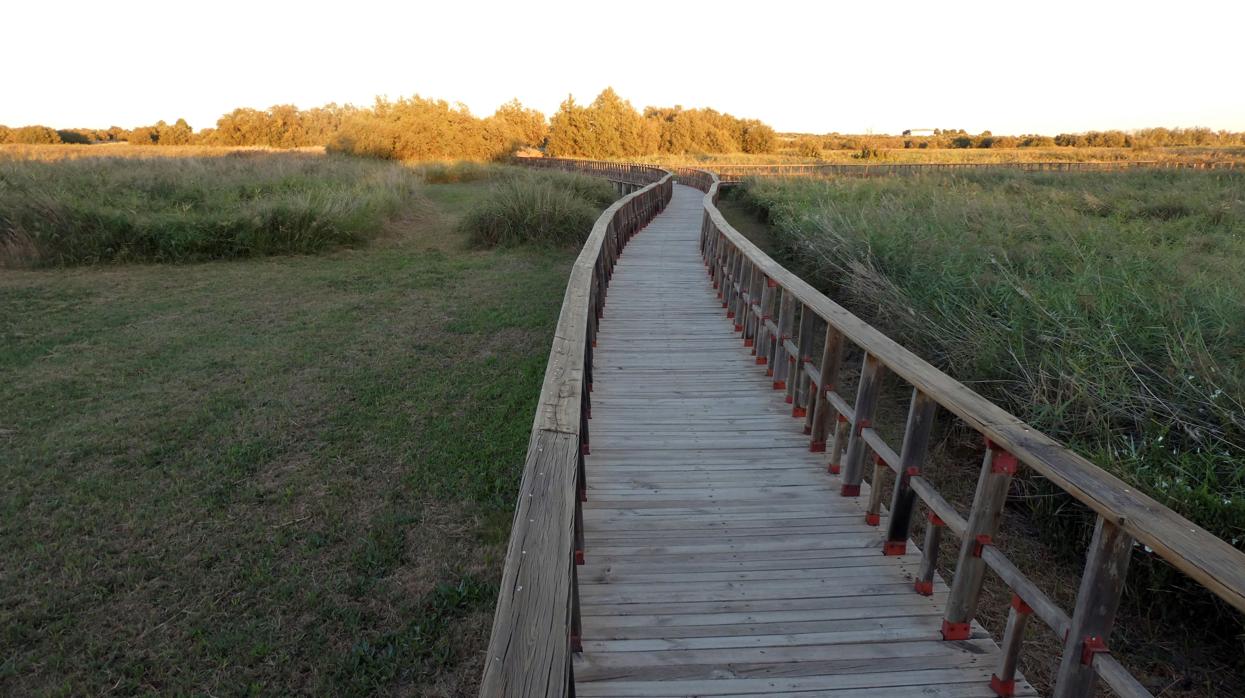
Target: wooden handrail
x,y
536,622
738,267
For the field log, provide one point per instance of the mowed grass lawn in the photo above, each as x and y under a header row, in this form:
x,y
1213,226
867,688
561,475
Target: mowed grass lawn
x,y
268,476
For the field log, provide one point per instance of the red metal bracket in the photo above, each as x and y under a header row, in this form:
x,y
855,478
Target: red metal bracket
x,y
934,519
872,519
979,543
747,342
579,557
730,314
914,471
827,388
849,491
878,460
771,283
789,400
1001,688
841,418
924,588
1092,645
862,425
769,372
577,645
739,328
895,547
761,361
1021,607
583,448
1001,461
780,385
817,447
834,468
955,631
799,412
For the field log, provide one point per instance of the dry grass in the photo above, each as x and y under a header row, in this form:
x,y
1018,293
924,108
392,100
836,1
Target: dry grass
x,y
278,476
125,150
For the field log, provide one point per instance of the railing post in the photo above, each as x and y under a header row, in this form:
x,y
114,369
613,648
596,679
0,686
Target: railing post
x,y
921,412
1004,681
798,387
1102,583
786,321
866,401
997,468
831,359
924,584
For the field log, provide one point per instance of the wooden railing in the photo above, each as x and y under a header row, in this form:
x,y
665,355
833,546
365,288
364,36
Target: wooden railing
x,y
801,335
732,174
630,173
536,623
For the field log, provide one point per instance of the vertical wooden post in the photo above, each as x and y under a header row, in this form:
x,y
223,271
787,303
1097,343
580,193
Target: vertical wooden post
x,y
866,401
997,468
577,632
798,386
831,359
924,584
786,321
835,466
921,412
1102,583
1004,681
874,511
760,346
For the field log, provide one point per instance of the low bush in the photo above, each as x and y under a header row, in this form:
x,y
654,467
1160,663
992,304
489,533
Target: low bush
x,y
188,209
549,208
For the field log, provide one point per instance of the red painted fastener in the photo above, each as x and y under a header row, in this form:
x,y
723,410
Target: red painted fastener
x,y
1092,645
1001,461
980,542
955,631
895,547
1001,688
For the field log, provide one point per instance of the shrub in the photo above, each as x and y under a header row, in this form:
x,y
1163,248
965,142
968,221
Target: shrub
x,y
548,208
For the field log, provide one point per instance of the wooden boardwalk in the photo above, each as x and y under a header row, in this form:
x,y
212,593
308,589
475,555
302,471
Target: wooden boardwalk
x,y
720,558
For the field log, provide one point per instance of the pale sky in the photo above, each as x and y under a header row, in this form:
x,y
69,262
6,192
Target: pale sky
x,y
1009,66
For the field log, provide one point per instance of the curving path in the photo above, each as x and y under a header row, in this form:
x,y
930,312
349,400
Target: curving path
x,y
720,559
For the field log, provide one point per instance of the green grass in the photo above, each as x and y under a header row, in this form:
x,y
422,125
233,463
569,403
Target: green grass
x,y
267,476
541,207
1106,309
188,209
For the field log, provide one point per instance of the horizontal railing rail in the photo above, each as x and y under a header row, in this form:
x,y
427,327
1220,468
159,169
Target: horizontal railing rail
x,y
629,173
800,335
732,174
536,622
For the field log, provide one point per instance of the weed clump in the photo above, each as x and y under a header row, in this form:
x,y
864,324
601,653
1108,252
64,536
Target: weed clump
x,y
546,208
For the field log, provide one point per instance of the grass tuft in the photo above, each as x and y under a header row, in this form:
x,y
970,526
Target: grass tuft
x,y
546,208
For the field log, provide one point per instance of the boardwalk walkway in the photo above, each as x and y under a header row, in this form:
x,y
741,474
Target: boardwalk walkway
x,y
720,559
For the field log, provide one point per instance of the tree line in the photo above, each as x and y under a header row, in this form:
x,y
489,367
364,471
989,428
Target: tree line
x,y
419,128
